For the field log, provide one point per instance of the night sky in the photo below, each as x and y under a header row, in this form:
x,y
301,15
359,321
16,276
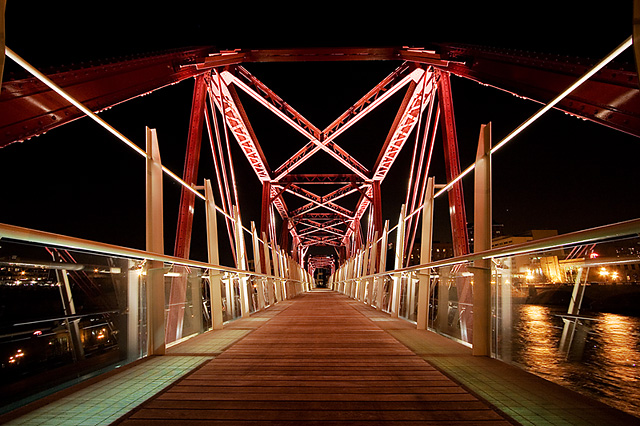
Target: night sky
x,y
562,173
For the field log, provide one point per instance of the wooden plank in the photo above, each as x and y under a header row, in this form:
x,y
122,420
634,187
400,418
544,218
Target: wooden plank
x,y
318,361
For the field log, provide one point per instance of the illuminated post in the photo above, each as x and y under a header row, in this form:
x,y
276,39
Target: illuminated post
x,y
364,272
383,265
425,257
241,263
133,310
357,274
276,272
215,288
267,270
482,242
351,265
257,264
155,244
372,265
395,293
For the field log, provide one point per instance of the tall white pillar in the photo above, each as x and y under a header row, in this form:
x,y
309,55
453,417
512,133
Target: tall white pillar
x,y
482,242
257,265
395,294
382,266
241,256
155,244
215,287
425,257
267,270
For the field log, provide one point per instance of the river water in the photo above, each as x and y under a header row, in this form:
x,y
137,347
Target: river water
x,y
603,362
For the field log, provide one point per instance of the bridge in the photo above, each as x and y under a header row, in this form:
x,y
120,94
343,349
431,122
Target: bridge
x,y
248,330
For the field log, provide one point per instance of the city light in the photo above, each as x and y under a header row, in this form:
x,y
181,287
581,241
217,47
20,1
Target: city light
x,y
15,358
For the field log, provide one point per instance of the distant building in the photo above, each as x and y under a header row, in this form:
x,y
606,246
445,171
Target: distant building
x,y
535,234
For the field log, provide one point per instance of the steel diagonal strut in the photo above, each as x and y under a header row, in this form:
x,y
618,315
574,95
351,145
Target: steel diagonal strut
x,y
383,91
332,196
319,201
452,164
228,103
177,297
261,93
416,99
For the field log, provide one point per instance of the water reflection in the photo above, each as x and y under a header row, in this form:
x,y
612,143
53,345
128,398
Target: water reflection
x,y
602,362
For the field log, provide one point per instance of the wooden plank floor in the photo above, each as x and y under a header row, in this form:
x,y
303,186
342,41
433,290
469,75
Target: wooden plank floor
x,y
319,361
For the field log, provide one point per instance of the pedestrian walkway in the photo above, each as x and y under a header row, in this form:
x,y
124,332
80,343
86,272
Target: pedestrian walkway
x,y
318,359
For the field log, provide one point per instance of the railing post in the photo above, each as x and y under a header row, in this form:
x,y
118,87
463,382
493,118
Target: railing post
x,y
215,288
155,244
364,271
276,271
241,262
267,270
352,274
382,266
482,242
425,257
357,274
134,351
373,255
257,264
397,279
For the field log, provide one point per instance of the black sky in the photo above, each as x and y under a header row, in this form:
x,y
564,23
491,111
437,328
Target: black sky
x,y
562,173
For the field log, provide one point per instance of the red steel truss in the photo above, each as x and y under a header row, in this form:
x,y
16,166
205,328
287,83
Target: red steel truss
x,y
611,98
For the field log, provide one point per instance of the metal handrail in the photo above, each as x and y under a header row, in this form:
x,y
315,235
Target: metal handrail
x,y
50,239
586,236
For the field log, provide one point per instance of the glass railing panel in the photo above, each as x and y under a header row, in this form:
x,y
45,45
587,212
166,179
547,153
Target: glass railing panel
x,y
386,288
452,301
572,316
374,292
64,314
252,291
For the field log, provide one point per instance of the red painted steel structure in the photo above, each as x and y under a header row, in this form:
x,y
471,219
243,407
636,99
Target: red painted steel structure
x,y
29,108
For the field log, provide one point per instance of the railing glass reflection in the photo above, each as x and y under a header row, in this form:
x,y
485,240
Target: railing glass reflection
x,y
566,308
67,314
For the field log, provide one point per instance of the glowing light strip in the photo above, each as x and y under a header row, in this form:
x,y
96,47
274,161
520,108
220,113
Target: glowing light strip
x,y
37,74
627,43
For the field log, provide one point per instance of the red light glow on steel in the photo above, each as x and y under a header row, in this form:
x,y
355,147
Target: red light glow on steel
x,y
37,74
610,57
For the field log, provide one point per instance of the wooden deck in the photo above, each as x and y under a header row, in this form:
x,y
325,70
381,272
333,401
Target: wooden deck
x,y
318,361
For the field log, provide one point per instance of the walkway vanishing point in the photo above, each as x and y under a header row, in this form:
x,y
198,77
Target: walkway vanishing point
x,y
322,358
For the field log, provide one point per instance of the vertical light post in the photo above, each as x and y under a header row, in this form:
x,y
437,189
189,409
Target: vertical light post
x,y
155,244
267,269
382,266
482,242
397,278
241,263
425,257
257,263
215,287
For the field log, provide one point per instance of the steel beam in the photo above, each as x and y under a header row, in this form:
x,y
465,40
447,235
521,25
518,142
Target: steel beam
x,y
452,165
611,97
383,91
227,101
178,293
406,119
29,108
190,173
